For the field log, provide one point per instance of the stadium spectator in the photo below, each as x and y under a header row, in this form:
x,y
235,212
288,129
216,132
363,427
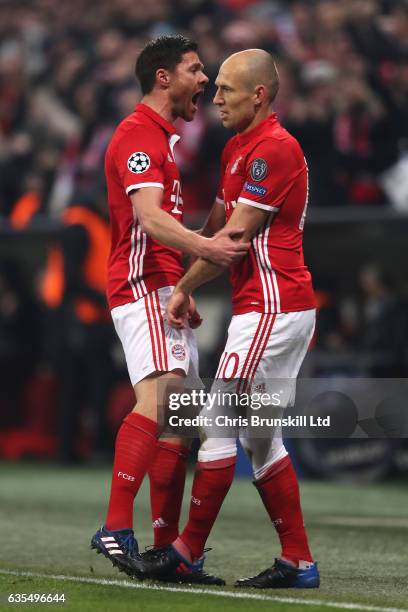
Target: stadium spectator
x,y
20,333
384,325
73,288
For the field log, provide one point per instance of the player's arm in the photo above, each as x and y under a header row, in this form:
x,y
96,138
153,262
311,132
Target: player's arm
x,y
215,220
245,220
250,219
142,176
262,195
214,223
161,226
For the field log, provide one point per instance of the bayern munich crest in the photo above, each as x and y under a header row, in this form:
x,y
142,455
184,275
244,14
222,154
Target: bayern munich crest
x,y
138,162
178,352
259,169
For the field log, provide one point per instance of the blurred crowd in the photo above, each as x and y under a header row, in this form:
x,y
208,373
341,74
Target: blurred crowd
x,y
362,332
67,78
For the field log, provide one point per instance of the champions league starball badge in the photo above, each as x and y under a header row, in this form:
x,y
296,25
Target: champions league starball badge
x,y
138,162
259,169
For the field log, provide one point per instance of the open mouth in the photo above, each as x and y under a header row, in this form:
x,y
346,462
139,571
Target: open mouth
x,y
195,98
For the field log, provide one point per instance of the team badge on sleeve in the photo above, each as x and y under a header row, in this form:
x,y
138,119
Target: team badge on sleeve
x,y
138,162
259,169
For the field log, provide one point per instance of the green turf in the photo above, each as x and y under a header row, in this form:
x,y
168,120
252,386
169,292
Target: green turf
x,y
358,534
90,598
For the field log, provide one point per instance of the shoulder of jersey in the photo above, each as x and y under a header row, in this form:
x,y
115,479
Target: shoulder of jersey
x,y
145,134
277,140
134,124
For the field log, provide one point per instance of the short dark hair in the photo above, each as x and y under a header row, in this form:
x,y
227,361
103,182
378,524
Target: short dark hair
x,y
163,52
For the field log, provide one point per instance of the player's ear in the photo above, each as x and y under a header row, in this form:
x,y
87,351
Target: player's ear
x,y
260,94
162,77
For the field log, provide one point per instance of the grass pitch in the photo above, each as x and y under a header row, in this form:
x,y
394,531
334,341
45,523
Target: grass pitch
x,y
358,533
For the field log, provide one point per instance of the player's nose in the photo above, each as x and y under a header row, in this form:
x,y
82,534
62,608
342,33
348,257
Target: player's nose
x,y
217,98
204,79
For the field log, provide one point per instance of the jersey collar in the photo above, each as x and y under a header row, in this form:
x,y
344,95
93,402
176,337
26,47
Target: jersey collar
x,y
243,139
146,110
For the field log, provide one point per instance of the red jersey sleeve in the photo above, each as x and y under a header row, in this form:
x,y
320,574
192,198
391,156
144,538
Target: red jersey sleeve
x,y
270,172
139,160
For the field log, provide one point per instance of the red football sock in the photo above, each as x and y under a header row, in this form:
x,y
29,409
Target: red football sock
x,y
135,449
167,476
212,481
279,491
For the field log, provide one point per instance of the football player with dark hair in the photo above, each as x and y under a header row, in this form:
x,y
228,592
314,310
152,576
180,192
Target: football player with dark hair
x,y
148,238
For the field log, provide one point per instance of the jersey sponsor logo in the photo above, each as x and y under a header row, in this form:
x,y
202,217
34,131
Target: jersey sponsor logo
x,y
138,162
259,169
234,166
178,351
258,190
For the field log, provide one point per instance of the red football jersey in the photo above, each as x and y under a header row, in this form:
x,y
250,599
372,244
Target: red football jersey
x,y
266,168
140,154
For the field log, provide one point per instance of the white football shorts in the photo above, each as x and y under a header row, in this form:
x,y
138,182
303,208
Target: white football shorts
x,y
150,344
262,356
263,347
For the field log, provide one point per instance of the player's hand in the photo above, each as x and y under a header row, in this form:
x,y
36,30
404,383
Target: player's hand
x,y
194,318
224,248
178,309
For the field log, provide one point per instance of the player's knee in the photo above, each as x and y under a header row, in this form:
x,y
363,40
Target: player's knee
x,y
264,453
146,409
215,449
